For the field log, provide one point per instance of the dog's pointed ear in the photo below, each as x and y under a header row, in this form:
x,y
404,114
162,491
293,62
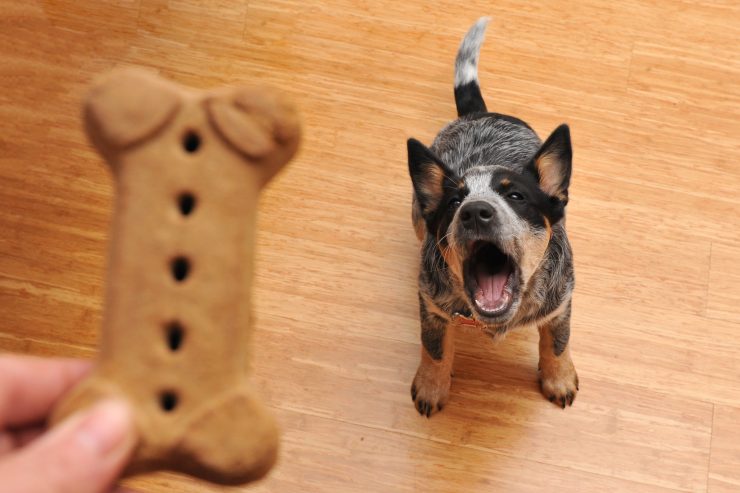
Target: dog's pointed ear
x,y
428,175
552,164
128,106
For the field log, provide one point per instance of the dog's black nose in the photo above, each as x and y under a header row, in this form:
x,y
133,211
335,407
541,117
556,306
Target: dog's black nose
x,y
477,214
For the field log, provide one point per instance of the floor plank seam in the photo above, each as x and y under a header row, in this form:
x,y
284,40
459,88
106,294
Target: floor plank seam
x,y
709,279
5,335
629,67
711,440
470,447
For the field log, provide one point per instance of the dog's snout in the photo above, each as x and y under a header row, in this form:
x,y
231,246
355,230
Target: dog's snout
x,y
477,214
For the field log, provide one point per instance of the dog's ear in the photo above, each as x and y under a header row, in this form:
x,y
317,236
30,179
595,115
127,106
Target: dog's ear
x,y
428,175
552,164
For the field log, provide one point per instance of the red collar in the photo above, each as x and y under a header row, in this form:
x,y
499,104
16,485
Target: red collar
x,y
467,319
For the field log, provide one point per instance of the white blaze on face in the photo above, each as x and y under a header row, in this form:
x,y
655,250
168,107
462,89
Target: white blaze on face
x,y
478,180
517,238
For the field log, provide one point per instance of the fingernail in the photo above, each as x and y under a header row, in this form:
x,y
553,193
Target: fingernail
x,y
105,426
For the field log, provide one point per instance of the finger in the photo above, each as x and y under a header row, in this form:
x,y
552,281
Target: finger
x,y
84,454
7,443
11,440
29,386
28,435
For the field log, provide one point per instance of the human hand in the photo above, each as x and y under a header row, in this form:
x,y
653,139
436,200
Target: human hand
x,y
83,454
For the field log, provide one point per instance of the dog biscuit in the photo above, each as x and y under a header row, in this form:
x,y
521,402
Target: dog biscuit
x,y
188,167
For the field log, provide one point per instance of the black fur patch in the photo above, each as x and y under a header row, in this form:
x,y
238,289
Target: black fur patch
x,y
533,204
433,330
469,99
560,331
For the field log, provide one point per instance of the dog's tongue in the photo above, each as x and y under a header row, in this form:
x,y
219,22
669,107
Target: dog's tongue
x,y
490,294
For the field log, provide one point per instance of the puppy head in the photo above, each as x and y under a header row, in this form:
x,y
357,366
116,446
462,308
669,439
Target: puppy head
x,y
493,224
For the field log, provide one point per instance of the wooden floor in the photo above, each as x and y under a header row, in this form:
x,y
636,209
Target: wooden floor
x,y
651,90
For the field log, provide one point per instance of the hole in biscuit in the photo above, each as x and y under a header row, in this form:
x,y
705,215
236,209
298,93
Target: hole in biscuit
x,y
180,268
191,142
168,401
186,203
175,335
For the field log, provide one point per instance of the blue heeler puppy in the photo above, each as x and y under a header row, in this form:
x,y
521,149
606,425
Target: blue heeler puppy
x,y
489,208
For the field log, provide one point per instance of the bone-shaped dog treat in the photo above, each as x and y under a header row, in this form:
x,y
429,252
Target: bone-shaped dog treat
x,y
188,168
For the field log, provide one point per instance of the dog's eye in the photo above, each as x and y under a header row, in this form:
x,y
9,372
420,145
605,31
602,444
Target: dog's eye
x,y
515,196
454,203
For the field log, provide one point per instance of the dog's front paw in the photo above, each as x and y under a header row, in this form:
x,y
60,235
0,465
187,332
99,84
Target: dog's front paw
x,y
559,382
430,389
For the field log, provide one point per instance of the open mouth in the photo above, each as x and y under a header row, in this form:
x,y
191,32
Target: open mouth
x,y
491,279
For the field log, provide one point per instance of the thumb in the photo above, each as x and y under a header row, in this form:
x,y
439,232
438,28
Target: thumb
x,y
84,454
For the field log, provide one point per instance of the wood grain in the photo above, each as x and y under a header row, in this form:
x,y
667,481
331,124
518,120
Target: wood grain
x,y
724,474
723,298
650,89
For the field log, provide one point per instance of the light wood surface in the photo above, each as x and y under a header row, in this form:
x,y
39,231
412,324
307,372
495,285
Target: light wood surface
x,y
651,90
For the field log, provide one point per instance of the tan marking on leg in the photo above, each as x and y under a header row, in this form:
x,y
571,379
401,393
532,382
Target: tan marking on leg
x,y
558,378
431,387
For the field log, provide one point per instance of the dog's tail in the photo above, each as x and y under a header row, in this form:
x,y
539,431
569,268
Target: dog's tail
x,y
467,91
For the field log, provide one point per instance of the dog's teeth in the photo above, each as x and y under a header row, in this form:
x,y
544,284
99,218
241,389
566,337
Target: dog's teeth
x,y
502,303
